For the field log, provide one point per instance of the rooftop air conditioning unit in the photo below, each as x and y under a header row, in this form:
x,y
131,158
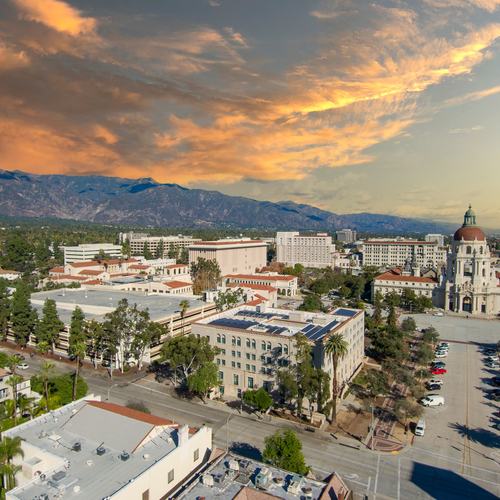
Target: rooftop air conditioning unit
x,y
124,456
219,480
207,480
58,476
244,466
77,447
101,451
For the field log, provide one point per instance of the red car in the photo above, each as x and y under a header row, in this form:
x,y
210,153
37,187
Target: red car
x,y
437,371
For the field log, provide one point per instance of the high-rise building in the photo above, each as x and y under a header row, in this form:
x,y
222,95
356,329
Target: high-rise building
x,y
346,236
138,240
438,238
310,250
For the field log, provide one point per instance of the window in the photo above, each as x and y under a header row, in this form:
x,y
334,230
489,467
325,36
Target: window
x,y
233,353
253,357
145,495
285,349
233,341
263,358
196,455
248,355
254,344
233,364
248,342
218,361
263,346
171,476
223,339
263,370
223,362
250,382
269,361
247,367
221,375
269,346
253,368
218,338
223,352
238,342
238,365
235,379
280,348
238,354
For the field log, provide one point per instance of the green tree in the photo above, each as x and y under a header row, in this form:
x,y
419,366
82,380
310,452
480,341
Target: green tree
x,y
23,317
258,398
228,299
424,302
77,338
319,287
430,335
60,389
9,449
184,306
46,371
288,385
206,275
143,332
311,303
186,353
283,449
203,379
336,347
409,325
4,309
184,256
77,349
116,327
13,381
378,383
126,250
173,251
18,254
50,326
42,253
147,252
392,299
377,314
424,355
58,253
160,249
404,410
408,297
138,406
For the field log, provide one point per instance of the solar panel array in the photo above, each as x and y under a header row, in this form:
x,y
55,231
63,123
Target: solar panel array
x,y
259,315
233,323
317,332
276,330
346,312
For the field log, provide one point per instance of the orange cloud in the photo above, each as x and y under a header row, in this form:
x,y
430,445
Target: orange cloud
x,y
11,59
55,14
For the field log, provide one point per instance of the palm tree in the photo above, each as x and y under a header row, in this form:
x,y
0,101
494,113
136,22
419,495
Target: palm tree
x,y
184,305
10,448
79,349
14,381
46,371
25,405
336,347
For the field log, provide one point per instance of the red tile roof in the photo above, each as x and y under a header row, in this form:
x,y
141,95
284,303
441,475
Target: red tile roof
x,y
90,263
91,272
4,271
261,277
57,270
255,302
93,282
176,265
260,297
139,266
176,284
400,243
254,286
395,275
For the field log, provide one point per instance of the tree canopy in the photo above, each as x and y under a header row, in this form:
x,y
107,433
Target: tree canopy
x,y
283,449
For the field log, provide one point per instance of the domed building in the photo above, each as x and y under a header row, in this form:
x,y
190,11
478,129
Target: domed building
x,y
469,283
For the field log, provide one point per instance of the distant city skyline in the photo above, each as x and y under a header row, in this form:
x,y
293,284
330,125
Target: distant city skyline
x,y
386,107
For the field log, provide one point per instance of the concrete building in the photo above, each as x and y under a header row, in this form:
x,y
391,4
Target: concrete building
x,y
23,388
137,241
438,238
9,275
83,253
470,283
395,253
346,236
257,341
285,284
231,477
94,451
233,255
309,250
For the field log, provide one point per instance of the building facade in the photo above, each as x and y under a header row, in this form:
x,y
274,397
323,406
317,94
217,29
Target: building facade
x,y
138,240
470,283
83,253
285,284
309,250
438,238
257,341
346,236
9,275
395,253
233,256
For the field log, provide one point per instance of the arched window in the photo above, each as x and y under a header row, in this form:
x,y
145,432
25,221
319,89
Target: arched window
x,y
238,342
263,346
269,346
223,339
218,338
233,341
480,249
469,250
280,348
285,349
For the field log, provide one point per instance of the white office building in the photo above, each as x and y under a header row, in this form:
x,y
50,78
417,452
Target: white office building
x,y
84,253
346,236
310,250
438,238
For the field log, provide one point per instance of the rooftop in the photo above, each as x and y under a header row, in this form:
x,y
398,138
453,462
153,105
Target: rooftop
x,y
235,478
402,242
262,277
315,326
395,275
96,303
128,445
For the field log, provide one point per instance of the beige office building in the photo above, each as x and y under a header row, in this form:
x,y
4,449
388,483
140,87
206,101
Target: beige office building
x,y
137,241
233,256
310,250
257,341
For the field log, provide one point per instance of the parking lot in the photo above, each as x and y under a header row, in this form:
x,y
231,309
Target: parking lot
x,y
463,429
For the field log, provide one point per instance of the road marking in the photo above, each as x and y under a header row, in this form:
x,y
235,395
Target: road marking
x,y
376,480
351,476
345,459
399,478
368,487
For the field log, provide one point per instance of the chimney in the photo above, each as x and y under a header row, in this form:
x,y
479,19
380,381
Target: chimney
x,y
183,435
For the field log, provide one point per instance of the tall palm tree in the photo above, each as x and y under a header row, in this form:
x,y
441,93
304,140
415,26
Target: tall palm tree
x,y
9,471
184,305
46,371
336,347
14,381
79,349
10,448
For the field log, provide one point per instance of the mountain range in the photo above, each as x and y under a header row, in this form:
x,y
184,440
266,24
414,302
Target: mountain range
x,y
116,200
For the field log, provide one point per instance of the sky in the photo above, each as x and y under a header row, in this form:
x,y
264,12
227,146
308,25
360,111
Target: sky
x,y
389,107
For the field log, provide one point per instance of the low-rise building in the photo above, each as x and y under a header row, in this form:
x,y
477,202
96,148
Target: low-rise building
x,y
257,341
138,240
254,291
22,389
285,284
233,255
97,450
87,252
178,272
9,275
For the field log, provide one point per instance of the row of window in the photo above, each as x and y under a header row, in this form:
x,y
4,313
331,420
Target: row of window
x,y
251,344
236,381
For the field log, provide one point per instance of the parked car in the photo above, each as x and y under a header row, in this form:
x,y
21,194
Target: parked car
x,y
19,357
438,364
438,314
495,381
441,354
493,364
432,400
23,366
420,428
490,352
495,396
433,387
435,381
444,344
492,358
437,371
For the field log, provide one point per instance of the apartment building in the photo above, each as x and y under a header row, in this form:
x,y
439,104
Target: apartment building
x,y
94,450
396,253
346,236
84,253
137,241
233,255
438,238
23,388
307,249
257,341
396,280
285,284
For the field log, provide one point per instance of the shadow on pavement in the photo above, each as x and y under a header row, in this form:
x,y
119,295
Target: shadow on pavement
x,y
443,484
479,435
246,450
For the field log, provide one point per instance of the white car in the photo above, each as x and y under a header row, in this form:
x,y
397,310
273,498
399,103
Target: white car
x,y
492,364
440,354
23,366
435,381
444,344
492,358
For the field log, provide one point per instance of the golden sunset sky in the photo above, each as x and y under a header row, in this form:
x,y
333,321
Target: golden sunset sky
x,y
389,107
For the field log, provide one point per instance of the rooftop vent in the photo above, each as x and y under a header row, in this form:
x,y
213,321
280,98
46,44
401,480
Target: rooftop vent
x,y
58,476
233,464
207,480
77,447
101,451
219,480
244,466
124,456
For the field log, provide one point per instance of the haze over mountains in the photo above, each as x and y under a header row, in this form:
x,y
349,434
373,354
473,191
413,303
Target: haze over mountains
x,y
147,202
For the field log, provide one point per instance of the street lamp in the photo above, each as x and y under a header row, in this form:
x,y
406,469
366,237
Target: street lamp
x,y
109,390
227,430
373,433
